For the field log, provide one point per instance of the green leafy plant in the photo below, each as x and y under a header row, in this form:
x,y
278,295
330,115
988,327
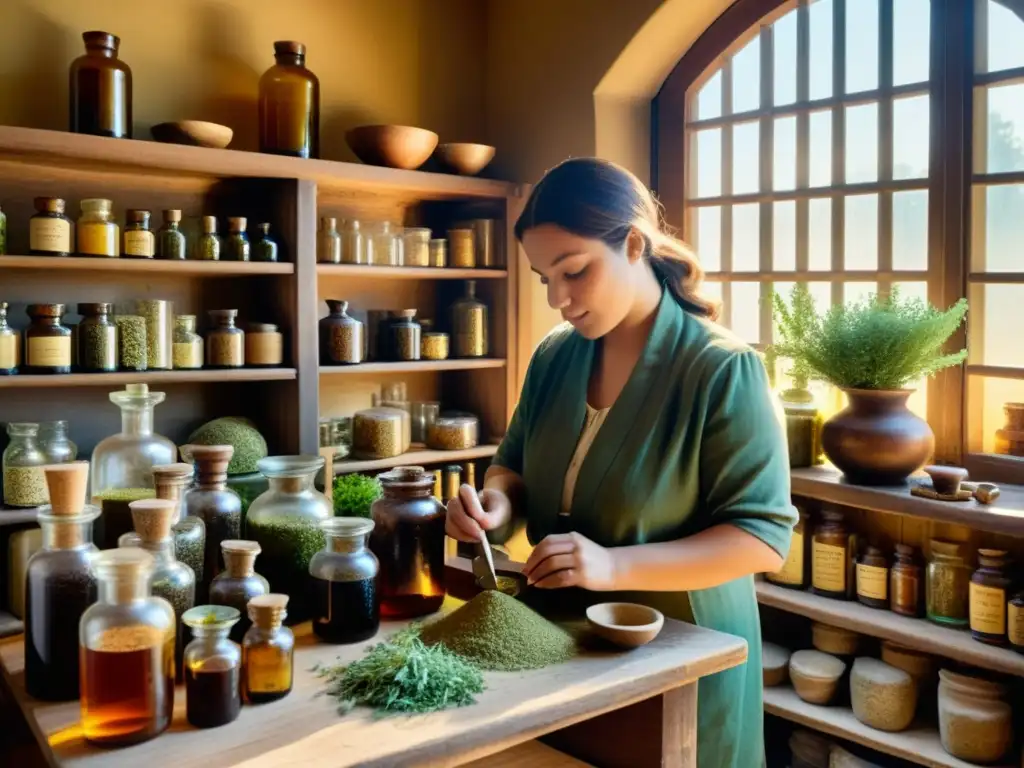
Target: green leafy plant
x,y
355,494
882,343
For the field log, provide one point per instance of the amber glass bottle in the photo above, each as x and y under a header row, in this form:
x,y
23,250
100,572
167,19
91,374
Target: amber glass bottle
x,y
268,651
830,556
289,104
873,578
100,89
990,587
795,571
905,582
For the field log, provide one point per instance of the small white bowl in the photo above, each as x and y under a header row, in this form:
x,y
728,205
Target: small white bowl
x,y
627,624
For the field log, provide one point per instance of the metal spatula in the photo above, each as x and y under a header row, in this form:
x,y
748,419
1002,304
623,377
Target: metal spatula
x,y
485,573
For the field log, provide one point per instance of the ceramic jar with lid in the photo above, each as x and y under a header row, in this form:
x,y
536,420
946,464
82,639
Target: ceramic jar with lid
x,y
975,718
49,229
905,582
882,696
47,341
225,343
10,345
264,345
831,556
990,586
946,584
341,336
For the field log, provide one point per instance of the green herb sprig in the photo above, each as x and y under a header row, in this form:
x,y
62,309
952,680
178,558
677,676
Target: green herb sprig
x,y
355,494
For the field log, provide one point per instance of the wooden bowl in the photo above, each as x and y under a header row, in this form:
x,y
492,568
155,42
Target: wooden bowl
x,y
815,675
463,158
393,146
196,133
627,624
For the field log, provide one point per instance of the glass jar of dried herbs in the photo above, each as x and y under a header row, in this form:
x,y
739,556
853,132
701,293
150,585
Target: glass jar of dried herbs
x,y
225,343
170,240
946,584
208,246
10,345
23,462
188,345
237,246
138,241
47,341
265,248
97,338
131,342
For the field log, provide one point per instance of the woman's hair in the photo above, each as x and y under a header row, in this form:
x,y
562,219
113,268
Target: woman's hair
x,y
600,200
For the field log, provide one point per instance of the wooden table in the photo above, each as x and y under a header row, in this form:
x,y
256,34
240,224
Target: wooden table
x,y
644,702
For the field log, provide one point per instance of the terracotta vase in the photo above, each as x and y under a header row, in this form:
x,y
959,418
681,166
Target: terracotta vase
x,y
876,439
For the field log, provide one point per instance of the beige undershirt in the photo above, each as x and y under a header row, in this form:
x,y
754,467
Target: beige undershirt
x,y
591,426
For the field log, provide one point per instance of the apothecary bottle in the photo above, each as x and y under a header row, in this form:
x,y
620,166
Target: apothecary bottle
x,y
988,591
170,240
265,248
96,232
268,651
405,335
213,667
208,245
139,241
23,462
804,423
382,245
469,325
55,443
97,338
830,556
905,583
127,647
341,336
10,344
873,578
49,230
289,104
100,89
47,341
328,241
345,604
285,521
353,244
236,245
1015,621
946,584
795,572
225,342
239,582
408,540
264,345
218,506
187,344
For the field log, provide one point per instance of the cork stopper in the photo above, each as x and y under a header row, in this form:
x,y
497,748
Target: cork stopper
x,y
237,223
67,483
209,225
152,519
289,47
172,215
240,556
211,460
268,611
170,477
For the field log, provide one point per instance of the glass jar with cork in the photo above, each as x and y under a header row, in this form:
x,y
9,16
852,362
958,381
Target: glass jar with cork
x,y
23,462
49,229
97,338
345,603
138,241
237,246
170,240
47,340
265,248
225,342
213,502
268,651
946,584
10,344
213,667
341,336
328,241
97,233
208,245
187,345
239,582
987,595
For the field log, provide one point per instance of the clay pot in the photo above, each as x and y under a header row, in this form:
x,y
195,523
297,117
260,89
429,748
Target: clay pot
x,y
876,440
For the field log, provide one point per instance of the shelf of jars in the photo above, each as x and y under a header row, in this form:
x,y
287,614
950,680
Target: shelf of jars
x,y
184,267
210,376
409,272
417,455
413,366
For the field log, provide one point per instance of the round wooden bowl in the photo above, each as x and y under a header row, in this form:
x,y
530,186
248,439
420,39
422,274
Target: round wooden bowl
x,y
196,133
393,146
465,159
627,624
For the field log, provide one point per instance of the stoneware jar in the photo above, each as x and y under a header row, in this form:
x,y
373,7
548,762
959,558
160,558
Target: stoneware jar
x,y
975,720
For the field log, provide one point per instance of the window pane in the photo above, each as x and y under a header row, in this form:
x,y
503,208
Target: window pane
x,y
915,289
1005,33
746,311
784,44
992,307
986,398
708,158
819,235
910,119
784,236
784,162
746,151
854,292
1006,128
709,98
861,232
1002,249
862,45
862,143
910,230
820,168
709,238
911,21
746,237
711,289
746,77
820,23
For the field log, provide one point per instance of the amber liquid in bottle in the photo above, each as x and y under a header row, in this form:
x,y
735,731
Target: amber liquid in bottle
x,y
412,584
289,104
268,672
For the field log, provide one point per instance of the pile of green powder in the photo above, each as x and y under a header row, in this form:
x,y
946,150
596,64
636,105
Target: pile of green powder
x,y
497,632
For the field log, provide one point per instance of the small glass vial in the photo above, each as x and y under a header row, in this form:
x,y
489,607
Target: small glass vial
x,y
469,325
225,343
344,575
1015,621
49,230
268,651
795,572
127,650
96,230
264,345
55,443
208,245
23,462
97,338
236,246
946,584
213,667
265,248
139,241
238,583
10,345
461,248
873,578
328,241
416,243
170,240
438,252
187,345
990,585
47,342
905,580
830,553
353,245
405,335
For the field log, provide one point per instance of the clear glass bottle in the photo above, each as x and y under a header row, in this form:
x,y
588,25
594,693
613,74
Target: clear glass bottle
x,y
405,336
382,245
10,344
100,89
341,336
139,240
285,520
170,240
213,667
238,583
49,229
353,245
237,246
127,648
159,316
345,604
187,344
97,338
219,507
225,342
23,462
328,241
268,651
208,246
946,584
289,104
990,586
96,232
265,248
469,325
55,443
47,340
416,247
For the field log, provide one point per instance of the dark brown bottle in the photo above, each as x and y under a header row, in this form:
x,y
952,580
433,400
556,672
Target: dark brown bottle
x,y
290,104
219,507
100,89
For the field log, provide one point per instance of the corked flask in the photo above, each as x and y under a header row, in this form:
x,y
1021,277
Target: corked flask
x,y
268,651
219,507
238,583
59,585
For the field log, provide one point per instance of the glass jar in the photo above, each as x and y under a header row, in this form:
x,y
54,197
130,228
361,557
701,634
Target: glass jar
x,y
416,247
469,325
188,532
873,578
225,343
946,584
132,346
213,667
830,554
438,252
264,345
289,104
353,246
795,572
423,415
453,432
975,718
804,423
434,345
990,585
219,507
208,245
483,241
379,433
265,248
47,341
345,606
1015,621
285,521
408,540
96,230
49,230
100,89
268,651
55,443
236,246
159,316
905,583
461,249
139,241
382,245
170,240
341,437
328,241
187,345
97,338
23,462
405,336
127,648
10,345
341,336
238,583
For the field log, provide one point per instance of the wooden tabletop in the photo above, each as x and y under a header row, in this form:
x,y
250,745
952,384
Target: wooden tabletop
x,y
304,729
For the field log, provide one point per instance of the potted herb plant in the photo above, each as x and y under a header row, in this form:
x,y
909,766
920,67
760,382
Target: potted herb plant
x,y
870,350
355,494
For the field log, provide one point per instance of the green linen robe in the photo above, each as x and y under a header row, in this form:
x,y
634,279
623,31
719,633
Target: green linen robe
x,y
692,441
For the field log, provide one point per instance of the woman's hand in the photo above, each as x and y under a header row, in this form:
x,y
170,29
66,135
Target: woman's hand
x,y
469,513
570,560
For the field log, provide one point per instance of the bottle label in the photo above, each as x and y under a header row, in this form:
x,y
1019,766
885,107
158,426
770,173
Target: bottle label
x,y
828,569
49,352
46,234
8,351
139,242
872,582
988,609
792,571
1015,625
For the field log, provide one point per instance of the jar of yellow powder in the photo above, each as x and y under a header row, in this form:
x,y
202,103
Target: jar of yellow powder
x,y
98,233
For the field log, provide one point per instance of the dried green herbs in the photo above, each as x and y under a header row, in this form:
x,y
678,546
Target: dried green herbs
x,y
131,340
354,495
248,443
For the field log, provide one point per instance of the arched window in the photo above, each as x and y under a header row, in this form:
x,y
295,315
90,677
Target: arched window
x,y
830,142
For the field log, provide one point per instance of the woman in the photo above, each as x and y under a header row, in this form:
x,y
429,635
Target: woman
x,y
645,453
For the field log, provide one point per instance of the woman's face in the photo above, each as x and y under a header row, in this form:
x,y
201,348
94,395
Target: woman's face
x,y
591,284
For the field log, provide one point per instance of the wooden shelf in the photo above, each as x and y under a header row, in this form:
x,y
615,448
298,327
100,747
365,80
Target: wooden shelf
x,y
147,266
17,515
919,745
148,377
1006,516
417,366
920,634
409,273
419,457
9,625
